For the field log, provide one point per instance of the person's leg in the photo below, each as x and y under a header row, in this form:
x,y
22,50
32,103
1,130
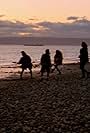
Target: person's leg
x,y
30,71
86,72
48,72
21,73
83,73
58,69
82,70
52,70
42,72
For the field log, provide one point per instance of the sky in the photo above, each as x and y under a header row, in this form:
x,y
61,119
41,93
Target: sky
x,y
49,18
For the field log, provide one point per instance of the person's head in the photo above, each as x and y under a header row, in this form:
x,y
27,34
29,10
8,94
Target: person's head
x,y
84,45
58,52
23,53
47,51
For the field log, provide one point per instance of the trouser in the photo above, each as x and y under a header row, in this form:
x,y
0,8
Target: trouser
x,y
45,68
82,67
56,67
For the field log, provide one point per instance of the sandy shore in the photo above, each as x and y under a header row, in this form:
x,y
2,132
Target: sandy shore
x,y
60,105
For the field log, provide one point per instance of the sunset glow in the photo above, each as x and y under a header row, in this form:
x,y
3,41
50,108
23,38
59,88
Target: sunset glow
x,y
51,10
33,11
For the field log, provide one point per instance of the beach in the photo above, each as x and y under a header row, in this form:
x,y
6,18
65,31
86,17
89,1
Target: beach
x,y
59,105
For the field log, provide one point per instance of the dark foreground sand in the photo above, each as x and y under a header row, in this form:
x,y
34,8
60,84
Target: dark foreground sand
x,y
60,105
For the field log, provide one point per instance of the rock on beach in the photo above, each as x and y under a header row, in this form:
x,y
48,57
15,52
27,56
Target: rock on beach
x,y
59,105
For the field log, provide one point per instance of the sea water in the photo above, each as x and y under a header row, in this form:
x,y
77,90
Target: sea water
x,y
12,53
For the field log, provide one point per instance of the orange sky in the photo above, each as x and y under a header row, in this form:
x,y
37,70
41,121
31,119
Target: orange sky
x,y
58,18
50,10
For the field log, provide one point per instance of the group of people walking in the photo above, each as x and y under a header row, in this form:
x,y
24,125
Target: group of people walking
x,y
46,64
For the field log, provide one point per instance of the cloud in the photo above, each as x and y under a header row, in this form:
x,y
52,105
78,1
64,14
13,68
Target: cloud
x,y
2,15
79,27
76,18
72,18
83,21
16,28
33,19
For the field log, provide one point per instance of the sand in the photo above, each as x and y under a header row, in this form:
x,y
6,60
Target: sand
x,y
60,105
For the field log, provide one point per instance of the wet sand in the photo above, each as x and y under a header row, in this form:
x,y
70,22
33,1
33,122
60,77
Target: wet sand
x,y
60,105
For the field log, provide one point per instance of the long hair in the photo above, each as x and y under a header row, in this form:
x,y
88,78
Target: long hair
x,y
84,45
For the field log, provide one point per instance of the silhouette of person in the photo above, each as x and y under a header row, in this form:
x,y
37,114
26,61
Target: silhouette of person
x,y
83,58
57,61
25,62
45,63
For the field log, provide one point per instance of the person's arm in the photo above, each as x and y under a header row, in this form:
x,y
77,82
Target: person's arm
x,y
80,54
54,59
41,61
50,62
20,61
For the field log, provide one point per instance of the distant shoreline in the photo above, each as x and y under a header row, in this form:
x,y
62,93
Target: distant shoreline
x,y
42,41
33,45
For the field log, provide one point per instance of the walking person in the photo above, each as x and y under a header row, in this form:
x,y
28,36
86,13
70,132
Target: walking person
x,y
57,61
25,62
45,63
83,59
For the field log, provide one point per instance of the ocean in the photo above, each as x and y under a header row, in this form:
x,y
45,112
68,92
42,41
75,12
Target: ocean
x,y
10,54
